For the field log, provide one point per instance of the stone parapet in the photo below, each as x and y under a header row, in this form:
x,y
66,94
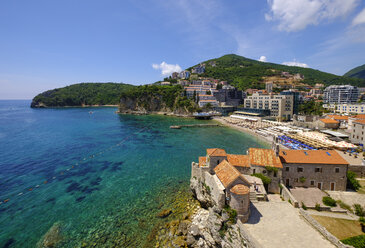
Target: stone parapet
x,y
285,193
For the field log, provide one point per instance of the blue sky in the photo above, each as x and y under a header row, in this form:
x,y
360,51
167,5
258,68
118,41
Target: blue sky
x,y
49,44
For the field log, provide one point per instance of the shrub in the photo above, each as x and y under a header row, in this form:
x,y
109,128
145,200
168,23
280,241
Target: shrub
x,y
289,201
317,207
231,213
271,169
351,181
359,211
302,179
266,180
357,241
329,201
362,220
304,206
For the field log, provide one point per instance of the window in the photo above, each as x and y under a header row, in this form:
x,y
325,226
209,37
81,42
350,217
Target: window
x,y
296,180
312,183
337,170
218,162
318,169
300,169
286,168
275,174
254,171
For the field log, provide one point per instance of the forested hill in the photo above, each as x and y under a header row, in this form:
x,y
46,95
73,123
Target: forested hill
x,y
247,73
82,94
357,72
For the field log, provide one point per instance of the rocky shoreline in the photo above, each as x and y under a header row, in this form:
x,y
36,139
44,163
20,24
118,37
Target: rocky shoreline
x,y
202,224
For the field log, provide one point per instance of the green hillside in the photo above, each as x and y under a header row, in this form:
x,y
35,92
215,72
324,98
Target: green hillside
x,y
357,72
247,73
82,94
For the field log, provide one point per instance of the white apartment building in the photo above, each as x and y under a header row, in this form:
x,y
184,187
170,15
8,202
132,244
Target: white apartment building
x,y
357,132
280,106
347,108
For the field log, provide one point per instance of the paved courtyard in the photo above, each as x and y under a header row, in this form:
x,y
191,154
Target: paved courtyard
x,y
279,225
309,196
349,198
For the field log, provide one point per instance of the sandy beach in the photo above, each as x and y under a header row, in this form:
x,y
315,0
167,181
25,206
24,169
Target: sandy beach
x,y
267,140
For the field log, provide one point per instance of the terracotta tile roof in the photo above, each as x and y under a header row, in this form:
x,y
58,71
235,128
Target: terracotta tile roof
x,y
264,157
358,116
360,121
238,160
338,117
311,157
240,189
227,174
216,152
202,161
329,121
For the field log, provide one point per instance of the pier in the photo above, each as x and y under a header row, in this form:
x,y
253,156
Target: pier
x,y
194,125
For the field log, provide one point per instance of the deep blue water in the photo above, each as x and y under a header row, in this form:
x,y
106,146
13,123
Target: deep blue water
x,y
96,175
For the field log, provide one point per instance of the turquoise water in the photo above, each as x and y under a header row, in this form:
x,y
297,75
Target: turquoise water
x,y
102,177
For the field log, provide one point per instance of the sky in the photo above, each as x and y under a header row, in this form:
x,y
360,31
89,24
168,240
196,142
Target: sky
x,y
49,44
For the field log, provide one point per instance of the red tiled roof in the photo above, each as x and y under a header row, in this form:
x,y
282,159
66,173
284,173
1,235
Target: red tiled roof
x,y
338,117
358,116
227,174
216,152
360,121
329,121
202,161
240,189
311,157
238,160
264,157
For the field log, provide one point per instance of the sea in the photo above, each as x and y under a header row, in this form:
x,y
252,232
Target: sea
x,y
89,177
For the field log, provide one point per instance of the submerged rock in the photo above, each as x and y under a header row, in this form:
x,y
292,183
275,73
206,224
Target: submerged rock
x,y
52,238
164,213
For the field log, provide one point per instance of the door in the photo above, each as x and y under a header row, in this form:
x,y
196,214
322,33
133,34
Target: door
x,y
332,186
319,185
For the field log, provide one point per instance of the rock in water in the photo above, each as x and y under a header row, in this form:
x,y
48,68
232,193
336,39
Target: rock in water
x,y
52,237
164,213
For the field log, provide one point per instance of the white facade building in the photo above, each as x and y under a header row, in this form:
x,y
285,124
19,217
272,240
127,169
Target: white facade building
x,y
280,106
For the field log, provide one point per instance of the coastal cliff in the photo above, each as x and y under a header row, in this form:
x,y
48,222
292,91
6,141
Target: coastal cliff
x,y
156,99
204,224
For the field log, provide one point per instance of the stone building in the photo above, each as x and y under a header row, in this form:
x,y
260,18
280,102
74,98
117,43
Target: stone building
x,y
327,124
218,172
325,169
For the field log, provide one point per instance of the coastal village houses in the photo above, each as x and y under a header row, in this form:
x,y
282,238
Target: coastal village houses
x,y
231,177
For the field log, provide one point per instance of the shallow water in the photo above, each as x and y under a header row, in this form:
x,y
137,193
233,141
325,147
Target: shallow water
x,y
103,177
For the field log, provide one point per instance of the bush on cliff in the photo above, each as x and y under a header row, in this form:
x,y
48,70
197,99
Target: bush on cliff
x,y
169,96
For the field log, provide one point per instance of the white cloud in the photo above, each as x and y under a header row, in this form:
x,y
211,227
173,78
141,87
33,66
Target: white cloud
x,y
166,69
295,63
295,15
263,59
359,19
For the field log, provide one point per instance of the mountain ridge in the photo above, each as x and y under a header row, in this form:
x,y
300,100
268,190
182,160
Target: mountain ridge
x,y
357,72
248,73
